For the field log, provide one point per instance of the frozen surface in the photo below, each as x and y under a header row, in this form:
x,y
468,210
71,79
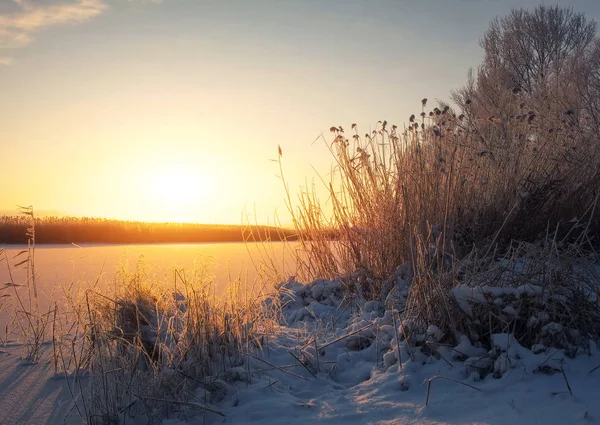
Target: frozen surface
x,y
352,376
59,266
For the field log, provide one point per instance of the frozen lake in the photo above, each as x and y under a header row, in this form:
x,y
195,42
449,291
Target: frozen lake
x,y
58,266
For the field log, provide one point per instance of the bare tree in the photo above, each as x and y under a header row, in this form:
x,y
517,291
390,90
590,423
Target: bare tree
x,y
587,71
546,58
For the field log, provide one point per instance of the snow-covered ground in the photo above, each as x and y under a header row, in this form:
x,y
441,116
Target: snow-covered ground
x,y
32,393
361,393
350,375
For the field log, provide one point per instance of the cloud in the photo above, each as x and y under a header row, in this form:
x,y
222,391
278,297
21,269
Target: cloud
x,y
19,24
6,61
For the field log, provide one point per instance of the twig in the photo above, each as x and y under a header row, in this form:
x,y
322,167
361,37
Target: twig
x,y
302,363
345,336
566,380
428,391
268,369
597,367
397,339
430,380
183,403
310,341
317,355
270,364
430,344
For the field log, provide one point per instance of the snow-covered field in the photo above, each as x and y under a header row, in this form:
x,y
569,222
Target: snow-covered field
x,y
336,362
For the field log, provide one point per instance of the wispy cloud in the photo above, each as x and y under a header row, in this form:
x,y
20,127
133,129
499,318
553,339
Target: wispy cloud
x,y
6,61
18,26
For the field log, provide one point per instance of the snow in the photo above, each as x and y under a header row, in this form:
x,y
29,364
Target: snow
x,y
463,293
434,332
366,384
33,393
352,374
355,390
552,328
465,348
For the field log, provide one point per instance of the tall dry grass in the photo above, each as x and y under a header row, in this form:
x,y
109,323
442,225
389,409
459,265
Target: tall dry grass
x,y
149,343
28,323
447,183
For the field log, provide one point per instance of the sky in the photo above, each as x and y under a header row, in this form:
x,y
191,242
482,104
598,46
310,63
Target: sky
x,y
173,110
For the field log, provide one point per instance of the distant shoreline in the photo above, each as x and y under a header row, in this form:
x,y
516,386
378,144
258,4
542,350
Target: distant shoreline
x,y
108,244
68,231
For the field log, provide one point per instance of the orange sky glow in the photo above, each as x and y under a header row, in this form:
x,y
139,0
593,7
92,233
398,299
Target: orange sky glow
x,y
173,110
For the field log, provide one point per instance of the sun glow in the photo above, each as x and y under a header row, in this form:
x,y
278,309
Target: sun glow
x,y
178,194
178,186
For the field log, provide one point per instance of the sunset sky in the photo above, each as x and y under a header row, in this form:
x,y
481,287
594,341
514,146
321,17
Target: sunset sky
x,y
172,110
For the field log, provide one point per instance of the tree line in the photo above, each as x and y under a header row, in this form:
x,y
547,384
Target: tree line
x,y
67,230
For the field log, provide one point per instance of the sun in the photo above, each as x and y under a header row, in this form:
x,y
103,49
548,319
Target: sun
x,y
176,186
177,193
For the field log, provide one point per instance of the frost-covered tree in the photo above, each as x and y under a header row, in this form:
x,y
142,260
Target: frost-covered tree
x,y
546,57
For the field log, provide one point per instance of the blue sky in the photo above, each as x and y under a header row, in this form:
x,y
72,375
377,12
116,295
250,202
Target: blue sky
x,y
103,101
